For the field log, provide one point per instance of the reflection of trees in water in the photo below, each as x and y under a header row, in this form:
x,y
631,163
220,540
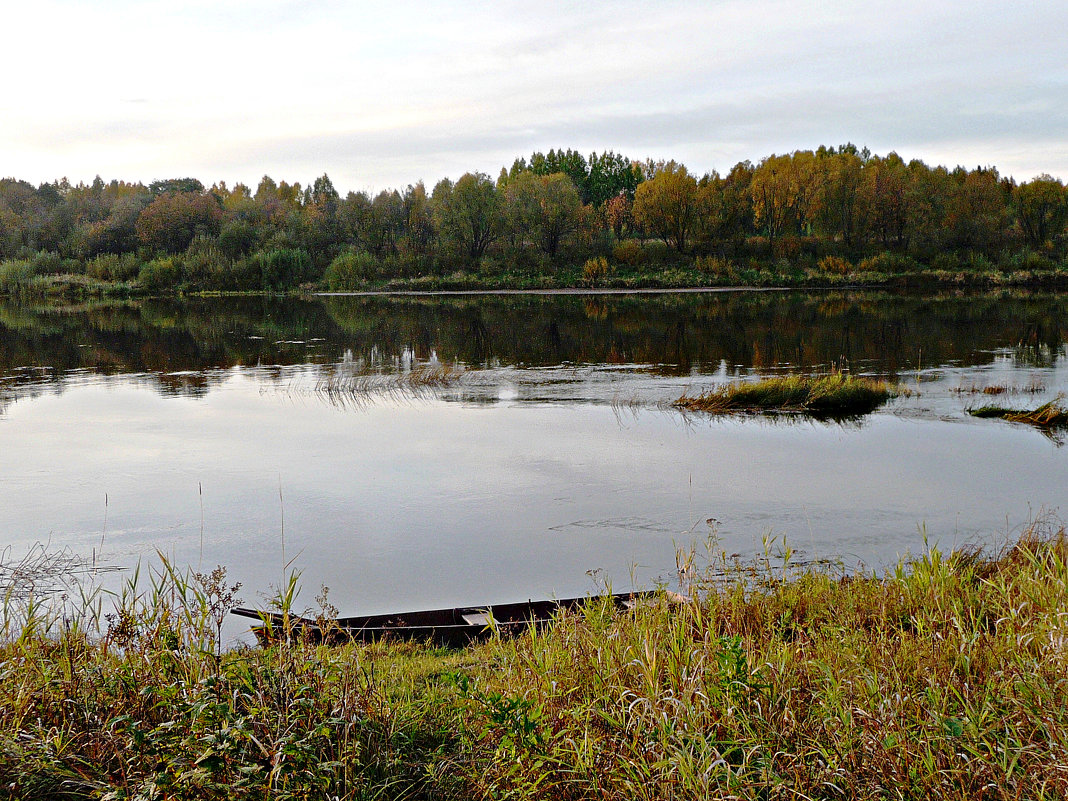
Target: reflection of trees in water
x,y
1041,354
179,342
764,330
1041,345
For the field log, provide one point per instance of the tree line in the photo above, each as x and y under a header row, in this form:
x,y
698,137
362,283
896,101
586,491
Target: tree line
x,y
832,210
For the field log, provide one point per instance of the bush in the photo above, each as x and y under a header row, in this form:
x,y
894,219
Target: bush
x,y
243,274
237,238
787,247
205,264
946,261
594,271
114,267
887,262
628,253
835,265
49,263
656,252
352,270
1028,259
164,273
16,274
714,265
283,268
758,247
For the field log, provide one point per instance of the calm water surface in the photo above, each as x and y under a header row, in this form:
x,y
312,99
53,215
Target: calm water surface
x,y
255,433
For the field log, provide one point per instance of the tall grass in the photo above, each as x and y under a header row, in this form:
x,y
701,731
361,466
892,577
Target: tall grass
x,y
945,678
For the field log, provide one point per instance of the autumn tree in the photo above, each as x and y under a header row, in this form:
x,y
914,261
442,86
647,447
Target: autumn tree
x,y
839,207
278,200
170,222
884,191
23,212
735,219
667,204
708,200
977,212
619,214
320,230
772,194
1041,208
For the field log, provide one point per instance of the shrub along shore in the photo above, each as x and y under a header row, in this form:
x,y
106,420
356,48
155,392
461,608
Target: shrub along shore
x,y
947,678
559,219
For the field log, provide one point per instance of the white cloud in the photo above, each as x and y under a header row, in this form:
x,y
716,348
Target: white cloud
x,y
382,95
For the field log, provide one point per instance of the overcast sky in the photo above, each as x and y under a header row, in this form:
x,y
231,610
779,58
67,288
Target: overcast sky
x,y
382,94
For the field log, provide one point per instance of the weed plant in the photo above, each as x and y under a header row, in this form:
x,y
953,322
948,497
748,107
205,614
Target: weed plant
x,y
945,678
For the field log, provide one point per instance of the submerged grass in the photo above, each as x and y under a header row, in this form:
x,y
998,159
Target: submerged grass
x,y
946,678
356,387
1033,387
835,395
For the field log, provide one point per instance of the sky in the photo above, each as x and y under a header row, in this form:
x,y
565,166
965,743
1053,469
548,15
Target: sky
x,y
381,95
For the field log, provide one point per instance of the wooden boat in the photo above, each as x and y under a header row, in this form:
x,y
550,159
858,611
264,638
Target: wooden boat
x,y
450,627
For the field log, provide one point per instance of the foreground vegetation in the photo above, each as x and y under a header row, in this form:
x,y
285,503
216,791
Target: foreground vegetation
x,y
837,394
945,678
810,218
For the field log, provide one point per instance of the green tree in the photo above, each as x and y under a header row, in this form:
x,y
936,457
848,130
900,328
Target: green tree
x,y
176,186
546,206
468,213
420,225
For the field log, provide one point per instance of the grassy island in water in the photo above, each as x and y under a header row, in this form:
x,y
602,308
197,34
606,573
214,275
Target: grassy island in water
x,y
834,395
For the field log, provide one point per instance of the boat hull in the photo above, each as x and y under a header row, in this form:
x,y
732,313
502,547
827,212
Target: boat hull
x,y
454,627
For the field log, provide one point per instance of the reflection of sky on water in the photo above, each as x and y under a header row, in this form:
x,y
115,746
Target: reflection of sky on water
x,y
509,484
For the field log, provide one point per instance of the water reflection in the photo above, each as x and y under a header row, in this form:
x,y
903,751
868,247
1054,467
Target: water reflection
x,y
674,334
548,453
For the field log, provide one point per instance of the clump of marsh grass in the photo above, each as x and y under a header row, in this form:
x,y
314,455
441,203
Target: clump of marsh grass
x,y
837,394
1053,414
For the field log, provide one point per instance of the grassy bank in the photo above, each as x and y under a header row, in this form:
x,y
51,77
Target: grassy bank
x,y
945,678
27,278
834,395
